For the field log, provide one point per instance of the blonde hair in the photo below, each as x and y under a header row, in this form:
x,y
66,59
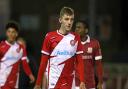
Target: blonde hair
x,y
66,10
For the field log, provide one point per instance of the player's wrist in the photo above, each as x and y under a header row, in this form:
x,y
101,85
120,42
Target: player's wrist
x,y
30,75
32,78
82,85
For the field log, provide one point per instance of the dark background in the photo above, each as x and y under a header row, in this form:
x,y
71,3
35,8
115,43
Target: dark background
x,y
37,17
114,49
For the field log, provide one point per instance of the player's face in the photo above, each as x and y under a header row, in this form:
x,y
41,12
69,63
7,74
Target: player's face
x,y
67,21
80,29
11,34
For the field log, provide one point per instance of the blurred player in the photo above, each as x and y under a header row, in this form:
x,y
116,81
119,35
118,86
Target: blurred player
x,y
91,56
11,54
24,80
60,50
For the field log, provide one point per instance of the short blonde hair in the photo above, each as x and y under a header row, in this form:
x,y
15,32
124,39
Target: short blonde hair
x,y
66,10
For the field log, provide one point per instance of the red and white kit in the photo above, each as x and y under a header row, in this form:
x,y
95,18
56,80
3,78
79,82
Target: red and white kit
x,y
10,57
91,56
62,50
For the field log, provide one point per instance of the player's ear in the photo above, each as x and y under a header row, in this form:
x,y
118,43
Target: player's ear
x,y
86,31
60,20
16,34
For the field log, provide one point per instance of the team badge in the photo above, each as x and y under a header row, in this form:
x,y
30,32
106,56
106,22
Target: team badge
x,y
18,50
72,42
89,50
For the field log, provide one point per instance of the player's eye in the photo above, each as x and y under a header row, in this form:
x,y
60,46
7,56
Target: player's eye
x,y
66,18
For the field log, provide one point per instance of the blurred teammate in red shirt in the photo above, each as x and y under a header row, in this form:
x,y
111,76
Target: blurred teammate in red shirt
x,y
11,54
92,56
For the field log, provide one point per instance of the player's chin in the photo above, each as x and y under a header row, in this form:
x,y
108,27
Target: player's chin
x,y
12,39
68,29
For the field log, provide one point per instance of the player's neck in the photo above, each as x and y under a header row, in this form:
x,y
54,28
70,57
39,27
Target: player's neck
x,y
63,31
10,42
84,38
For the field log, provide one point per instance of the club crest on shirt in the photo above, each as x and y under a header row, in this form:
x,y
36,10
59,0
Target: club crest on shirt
x,y
18,50
89,50
72,42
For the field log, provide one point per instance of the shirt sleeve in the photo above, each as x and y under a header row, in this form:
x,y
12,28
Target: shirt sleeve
x,y
98,57
24,56
44,59
79,47
97,51
42,68
46,45
26,67
80,63
24,62
80,67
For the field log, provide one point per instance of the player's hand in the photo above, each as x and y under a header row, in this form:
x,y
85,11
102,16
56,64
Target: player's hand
x,y
37,87
32,78
99,86
82,85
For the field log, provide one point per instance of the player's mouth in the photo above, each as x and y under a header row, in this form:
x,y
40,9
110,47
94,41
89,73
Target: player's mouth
x,y
69,26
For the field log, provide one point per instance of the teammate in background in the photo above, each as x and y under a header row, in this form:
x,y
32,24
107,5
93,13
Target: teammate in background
x,y
91,56
60,50
24,80
11,54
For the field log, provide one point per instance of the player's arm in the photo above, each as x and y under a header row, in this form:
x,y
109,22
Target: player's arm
x,y
28,70
99,67
44,61
80,63
26,66
99,71
80,67
42,68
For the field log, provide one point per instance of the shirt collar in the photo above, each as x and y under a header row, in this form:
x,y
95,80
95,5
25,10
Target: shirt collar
x,y
87,41
9,43
61,33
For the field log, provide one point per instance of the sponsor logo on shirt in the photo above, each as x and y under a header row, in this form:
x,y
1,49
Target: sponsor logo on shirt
x,y
12,58
87,57
89,50
65,52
